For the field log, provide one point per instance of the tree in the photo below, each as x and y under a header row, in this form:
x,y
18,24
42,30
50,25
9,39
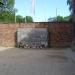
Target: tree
x,y
7,11
8,5
1,4
60,19
7,17
68,18
20,19
29,19
70,3
56,19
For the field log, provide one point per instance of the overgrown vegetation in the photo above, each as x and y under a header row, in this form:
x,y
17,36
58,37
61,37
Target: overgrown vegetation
x,y
7,13
67,18
60,19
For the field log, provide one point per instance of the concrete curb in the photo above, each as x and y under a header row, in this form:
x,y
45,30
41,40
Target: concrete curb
x,y
5,48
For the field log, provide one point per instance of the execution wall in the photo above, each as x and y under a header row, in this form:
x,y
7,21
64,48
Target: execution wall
x,y
59,34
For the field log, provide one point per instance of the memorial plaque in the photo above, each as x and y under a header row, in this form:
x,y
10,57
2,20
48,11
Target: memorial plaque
x,y
32,37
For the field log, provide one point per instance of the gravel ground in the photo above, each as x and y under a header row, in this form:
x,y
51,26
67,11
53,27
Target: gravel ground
x,y
15,61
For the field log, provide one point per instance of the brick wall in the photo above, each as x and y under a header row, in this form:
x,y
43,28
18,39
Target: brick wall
x,y
60,34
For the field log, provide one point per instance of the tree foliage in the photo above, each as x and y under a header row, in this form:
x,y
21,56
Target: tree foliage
x,y
1,4
8,5
7,13
19,19
6,17
70,3
29,19
60,19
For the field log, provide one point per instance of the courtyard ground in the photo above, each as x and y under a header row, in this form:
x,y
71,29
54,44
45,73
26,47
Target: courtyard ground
x,y
15,61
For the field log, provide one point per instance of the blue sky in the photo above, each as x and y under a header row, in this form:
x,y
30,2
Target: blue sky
x,y
44,9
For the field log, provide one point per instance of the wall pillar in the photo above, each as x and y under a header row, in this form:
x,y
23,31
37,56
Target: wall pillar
x,y
73,27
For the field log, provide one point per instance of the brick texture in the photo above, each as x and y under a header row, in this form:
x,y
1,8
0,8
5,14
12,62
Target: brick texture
x,y
60,34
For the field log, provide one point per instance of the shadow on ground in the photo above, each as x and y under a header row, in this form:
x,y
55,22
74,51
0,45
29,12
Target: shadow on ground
x,y
16,61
